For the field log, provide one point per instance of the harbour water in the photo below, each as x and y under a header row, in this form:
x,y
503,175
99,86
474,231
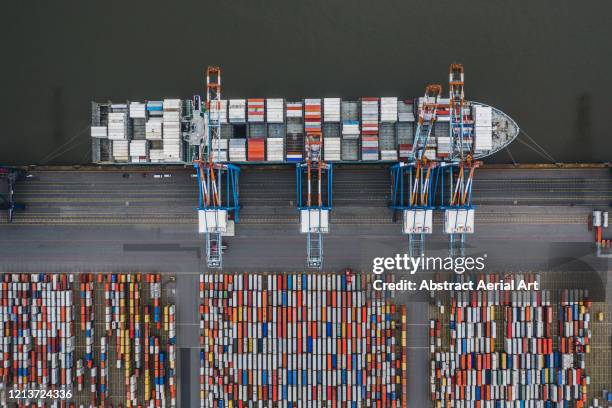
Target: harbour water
x,y
543,63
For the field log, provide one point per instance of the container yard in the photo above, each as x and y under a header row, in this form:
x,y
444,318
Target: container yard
x,y
106,339
300,340
519,348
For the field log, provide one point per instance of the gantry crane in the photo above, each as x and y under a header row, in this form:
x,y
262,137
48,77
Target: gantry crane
x,y
459,173
218,203
458,209
412,194
315,203
411,181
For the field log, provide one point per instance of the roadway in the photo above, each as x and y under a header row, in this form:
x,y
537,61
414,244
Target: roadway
x,y
527,220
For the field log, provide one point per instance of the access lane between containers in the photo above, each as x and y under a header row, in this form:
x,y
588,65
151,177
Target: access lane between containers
x,y
108,338
293,340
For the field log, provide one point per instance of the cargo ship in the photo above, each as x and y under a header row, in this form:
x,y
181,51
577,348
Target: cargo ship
x,y
274,130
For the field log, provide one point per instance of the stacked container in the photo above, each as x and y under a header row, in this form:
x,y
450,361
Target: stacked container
x,y
331,149
121,150
388,109
405,111
99,132
37,342
369,116
139,151
527,371
256,109
275,149
237,150
387,140
312,115
443,110
118,133
388,119
405,128
153,129
237,111
275,110
173,145
295,132
117,125
483,127
350,120
137,110
299,340
369,129
331,110
256,149
441,137
49,342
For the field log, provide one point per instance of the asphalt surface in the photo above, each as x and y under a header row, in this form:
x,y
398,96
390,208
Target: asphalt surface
x,y
134,221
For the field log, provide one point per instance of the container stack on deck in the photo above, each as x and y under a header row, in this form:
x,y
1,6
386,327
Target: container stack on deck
x,y
256,150
369,129
483,130
275,116
405,128
84,333
472,367
299,340
173,146
388,119
295,132
331,129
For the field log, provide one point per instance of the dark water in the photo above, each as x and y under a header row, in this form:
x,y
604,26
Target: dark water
x,y
545,63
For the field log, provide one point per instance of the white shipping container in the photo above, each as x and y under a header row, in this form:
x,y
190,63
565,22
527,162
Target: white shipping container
x,y
388,109
275,149
274,110
121,150
294,110
171,104
137,110
331,149
331,109
153,129
156,155
483,138
99,132
237,110
388,155
139,148
482,115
